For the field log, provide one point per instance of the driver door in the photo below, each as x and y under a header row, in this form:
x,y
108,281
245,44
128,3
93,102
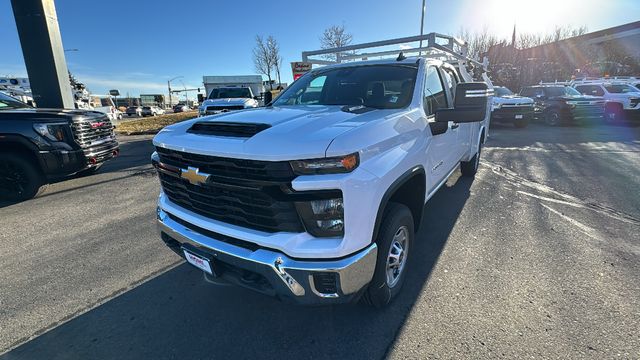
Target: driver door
x,y
442,148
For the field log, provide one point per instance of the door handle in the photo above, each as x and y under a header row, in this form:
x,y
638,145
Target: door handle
x,y
454,126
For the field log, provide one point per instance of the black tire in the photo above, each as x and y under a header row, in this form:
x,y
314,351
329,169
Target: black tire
x,y
520,124
20,179
552,118
397,219
470,168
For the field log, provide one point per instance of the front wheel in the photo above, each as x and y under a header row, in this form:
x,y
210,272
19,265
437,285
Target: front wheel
x,y
613,114
395,240
552,118
19,178
470,168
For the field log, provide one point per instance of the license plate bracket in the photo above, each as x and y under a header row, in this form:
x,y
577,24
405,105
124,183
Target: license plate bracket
x,y
201,261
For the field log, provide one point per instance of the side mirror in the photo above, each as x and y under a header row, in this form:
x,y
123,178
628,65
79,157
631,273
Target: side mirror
x,y
470,104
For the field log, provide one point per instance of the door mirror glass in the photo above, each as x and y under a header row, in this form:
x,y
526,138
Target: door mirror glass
x,y
470,104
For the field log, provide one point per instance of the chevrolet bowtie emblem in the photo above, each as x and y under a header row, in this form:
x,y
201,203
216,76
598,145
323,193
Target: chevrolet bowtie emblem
x,y
194,176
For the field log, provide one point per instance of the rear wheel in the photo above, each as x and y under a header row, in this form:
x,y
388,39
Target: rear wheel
x,y
552,118
19,178
395,240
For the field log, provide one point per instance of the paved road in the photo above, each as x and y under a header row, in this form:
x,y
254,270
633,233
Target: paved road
x,y
538,257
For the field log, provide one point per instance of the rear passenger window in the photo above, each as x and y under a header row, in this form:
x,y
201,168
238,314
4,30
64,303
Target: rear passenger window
x,y
434,96
590,90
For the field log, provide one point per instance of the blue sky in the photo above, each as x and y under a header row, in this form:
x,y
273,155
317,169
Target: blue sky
x,y
136,46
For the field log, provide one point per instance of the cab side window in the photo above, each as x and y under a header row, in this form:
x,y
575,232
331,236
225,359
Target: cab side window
x,y
434,95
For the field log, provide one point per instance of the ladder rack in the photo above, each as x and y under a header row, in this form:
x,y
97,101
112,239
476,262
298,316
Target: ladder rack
x,y
438,46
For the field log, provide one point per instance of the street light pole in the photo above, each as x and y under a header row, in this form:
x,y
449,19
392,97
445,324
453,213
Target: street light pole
x,y
169,86
424,7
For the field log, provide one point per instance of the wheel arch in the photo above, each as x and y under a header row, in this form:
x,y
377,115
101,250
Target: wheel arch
x,y
410,190
19,145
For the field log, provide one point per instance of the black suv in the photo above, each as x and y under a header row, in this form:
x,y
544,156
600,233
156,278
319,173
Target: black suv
x,y
38,145
560,104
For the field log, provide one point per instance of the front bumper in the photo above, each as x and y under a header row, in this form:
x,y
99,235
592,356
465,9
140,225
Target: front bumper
x,y
57,163
511,114
303,281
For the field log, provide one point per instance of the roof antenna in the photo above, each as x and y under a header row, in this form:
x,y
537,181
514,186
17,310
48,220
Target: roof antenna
x,y
401,56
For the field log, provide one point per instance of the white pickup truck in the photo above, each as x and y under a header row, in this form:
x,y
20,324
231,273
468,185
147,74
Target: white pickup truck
x,y
623,99
317,197
226,99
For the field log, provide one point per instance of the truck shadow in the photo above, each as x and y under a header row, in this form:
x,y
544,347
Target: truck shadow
x,y
178,315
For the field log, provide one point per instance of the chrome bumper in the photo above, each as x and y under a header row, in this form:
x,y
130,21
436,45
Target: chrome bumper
x,y
281,276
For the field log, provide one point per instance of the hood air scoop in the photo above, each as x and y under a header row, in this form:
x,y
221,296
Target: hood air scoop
x,y
228,129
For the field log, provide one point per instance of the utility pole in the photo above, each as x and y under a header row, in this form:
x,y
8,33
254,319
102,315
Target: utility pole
x,y
424,8
169,86
39,32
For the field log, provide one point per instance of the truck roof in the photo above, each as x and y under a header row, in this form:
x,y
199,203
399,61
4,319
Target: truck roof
x,y
408,61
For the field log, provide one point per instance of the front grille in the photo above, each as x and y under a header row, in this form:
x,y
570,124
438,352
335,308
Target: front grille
x,y
89,132
95,137
244,130
246,193
218,108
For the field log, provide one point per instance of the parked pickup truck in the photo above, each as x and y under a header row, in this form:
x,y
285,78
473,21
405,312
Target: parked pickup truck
x,y
558,104
316,198
623,99
226,99
38,145
506,107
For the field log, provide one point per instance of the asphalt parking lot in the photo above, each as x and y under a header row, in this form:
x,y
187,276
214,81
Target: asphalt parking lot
x,y
539,256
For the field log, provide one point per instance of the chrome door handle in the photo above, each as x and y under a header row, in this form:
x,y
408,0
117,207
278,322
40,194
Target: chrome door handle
x,y
454,126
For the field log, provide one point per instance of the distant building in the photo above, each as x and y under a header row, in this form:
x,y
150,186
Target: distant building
x,y
608,52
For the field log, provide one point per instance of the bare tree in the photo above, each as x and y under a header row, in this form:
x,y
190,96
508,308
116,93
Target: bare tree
x,y
262,59
274,53
333,37
266,57
478,43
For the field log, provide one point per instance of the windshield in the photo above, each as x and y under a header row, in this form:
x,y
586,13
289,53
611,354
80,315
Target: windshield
x,y
502,91
620,89
561,91
9,103
376,86
226,93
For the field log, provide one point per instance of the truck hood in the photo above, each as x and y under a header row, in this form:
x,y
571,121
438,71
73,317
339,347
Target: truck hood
x,y
578,98
295,132
43,115
512,99
227,101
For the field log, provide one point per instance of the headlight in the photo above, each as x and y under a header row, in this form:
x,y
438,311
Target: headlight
x,y
53,132
497,106
333,165
323,218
